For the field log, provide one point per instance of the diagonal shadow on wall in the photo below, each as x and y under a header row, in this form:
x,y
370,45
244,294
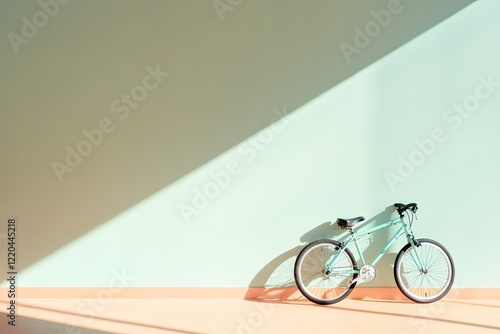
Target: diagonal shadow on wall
x,y
226,75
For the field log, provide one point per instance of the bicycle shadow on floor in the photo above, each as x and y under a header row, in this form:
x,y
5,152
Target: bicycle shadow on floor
x,y
275,281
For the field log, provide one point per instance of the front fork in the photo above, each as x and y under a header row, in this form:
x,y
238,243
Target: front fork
x,y
414,253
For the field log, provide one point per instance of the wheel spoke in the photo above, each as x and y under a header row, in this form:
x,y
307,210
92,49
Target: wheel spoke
x,y
433,280
317,282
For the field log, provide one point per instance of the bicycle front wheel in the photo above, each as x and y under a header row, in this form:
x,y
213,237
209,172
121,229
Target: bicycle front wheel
x,y
424,273
323,272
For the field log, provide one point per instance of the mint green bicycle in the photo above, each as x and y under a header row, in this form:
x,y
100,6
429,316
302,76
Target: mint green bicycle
x,y
326,271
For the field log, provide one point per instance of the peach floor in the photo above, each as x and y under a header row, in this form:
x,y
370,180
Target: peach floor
x,y
274,312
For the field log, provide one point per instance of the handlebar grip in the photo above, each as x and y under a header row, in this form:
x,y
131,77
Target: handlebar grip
x,y
412,206
403,207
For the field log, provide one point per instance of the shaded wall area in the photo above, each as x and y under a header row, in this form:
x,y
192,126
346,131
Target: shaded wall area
x,y
106,105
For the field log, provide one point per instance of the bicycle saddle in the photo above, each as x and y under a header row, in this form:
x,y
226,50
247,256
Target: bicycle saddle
x,y
349,223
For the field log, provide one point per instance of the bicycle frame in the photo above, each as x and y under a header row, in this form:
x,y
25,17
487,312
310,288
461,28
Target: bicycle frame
x,y
327,270
353,237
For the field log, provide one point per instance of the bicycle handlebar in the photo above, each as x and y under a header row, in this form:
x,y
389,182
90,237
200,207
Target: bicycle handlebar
x,y
401,208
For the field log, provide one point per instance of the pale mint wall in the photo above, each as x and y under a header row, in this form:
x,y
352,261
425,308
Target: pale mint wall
x,y
294,134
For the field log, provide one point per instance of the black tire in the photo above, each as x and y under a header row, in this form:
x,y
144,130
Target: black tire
x,y
428,284
314,280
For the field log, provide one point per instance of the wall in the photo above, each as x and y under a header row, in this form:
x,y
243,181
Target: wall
x,y
262,130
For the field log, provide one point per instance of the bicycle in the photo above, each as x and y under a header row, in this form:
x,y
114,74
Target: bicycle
x,y
326,271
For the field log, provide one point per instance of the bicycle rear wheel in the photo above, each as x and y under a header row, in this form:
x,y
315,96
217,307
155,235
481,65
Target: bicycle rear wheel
x,y
323,272
430,281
